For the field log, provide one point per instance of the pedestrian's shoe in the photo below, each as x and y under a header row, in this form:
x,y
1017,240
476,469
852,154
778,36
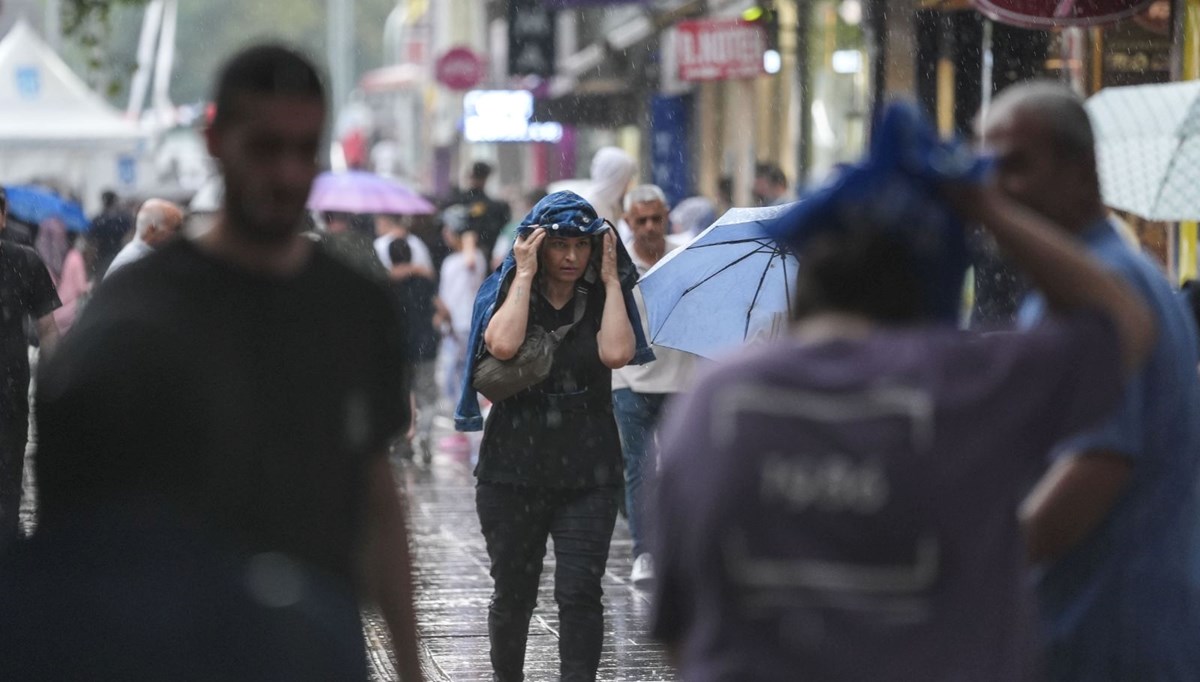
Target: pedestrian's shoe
x,y
642,575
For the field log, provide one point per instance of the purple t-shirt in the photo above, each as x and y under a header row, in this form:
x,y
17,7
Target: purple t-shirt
x,y
847,510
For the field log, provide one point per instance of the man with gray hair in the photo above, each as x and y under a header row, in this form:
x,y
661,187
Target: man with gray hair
x,y
1114,524
158,222
639,392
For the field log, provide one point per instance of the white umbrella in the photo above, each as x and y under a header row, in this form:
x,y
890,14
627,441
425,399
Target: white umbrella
x,y
1148,149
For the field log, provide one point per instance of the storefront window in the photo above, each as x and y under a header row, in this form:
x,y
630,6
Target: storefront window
x,y
840,82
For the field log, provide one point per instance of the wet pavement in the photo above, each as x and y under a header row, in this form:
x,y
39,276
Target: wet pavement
x,y
453,588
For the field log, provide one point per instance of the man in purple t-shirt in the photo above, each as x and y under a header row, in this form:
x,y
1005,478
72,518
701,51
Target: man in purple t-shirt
x,y
842,505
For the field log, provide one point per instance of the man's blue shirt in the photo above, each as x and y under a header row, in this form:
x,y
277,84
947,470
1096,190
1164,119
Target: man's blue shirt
x,y
1125,603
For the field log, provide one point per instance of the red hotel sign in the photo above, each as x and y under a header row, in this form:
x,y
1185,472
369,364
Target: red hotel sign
x,y
719,49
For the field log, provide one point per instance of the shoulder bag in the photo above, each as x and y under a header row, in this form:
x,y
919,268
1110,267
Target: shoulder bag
x,y
500,379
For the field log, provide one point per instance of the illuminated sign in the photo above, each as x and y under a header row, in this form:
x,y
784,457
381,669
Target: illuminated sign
x,y
719,49
504,116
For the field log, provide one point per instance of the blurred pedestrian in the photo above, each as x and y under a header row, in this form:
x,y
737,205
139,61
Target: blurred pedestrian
x,y
842,504
508,235
550,461
461,276
486,217
266,380
109,230
422,314
611,172
26,293
770,185
639,392
691,217
53,245
724,194
158,222
1114,525
389,228
64,258
350,238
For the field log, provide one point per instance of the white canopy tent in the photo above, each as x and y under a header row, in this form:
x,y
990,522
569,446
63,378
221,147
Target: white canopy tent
x,y
53,126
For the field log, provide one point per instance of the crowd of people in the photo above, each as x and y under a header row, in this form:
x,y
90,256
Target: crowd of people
x,y
880,495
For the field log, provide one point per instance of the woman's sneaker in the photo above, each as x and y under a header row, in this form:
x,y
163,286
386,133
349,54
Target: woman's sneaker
x,y
642,575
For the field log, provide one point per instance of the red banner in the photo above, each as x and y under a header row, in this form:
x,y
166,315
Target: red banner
x,y
719,49
1045,14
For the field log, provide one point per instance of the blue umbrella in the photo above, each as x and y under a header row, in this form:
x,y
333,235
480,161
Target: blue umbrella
x,y
32,204
731,285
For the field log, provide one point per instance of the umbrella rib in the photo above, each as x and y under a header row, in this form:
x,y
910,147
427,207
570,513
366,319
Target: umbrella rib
x,y
1162,186
760,240
787,291
723,269
750,310
698,284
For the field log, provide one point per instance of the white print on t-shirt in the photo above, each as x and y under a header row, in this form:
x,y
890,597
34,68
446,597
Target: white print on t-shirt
x,y
830,483
827,482
774,401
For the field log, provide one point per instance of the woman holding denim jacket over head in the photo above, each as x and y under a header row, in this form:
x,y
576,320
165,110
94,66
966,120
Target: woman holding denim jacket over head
x,y
550,461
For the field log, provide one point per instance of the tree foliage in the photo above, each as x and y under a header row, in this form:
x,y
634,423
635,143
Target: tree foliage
x,y
209,31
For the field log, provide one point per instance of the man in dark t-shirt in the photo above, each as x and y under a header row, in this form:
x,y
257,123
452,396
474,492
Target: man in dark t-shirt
x,y
26,292
486,217
242,388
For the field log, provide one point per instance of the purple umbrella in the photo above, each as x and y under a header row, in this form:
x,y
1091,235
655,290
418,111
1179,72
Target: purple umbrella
x,y
363,192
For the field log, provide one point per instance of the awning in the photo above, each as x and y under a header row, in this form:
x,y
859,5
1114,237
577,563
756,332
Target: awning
x,y
607,103
1047,14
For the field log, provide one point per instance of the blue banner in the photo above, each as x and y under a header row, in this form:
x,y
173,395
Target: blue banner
x,y
669,158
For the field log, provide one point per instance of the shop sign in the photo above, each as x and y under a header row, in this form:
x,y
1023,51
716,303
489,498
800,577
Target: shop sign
x,y
530,38
459,69
505,116
1047,14
719,49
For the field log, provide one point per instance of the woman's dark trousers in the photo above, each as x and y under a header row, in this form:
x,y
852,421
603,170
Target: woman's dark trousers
x,y
516,522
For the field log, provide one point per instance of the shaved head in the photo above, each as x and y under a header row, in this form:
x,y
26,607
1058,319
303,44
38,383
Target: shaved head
x,y
158,220
1045,152
1054,108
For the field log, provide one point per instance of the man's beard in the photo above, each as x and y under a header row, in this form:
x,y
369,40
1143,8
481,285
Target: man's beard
x,y
246,226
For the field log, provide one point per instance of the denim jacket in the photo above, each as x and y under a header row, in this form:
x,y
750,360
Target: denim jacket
x,y
567,212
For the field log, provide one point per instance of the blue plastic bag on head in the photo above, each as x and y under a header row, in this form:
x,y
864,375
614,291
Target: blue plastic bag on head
x,y
895,190
564,213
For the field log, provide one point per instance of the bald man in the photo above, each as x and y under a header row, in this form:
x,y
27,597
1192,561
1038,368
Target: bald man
x,y
1114,524
158,222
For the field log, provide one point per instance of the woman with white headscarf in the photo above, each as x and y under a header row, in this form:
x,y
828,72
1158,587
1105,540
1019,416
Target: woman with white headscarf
x,y
612,171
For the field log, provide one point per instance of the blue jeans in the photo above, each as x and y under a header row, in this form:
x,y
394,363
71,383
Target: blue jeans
x,y
516,522
637,417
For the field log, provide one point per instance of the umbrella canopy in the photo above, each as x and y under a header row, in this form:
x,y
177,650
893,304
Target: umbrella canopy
x,y
1148,149
32,204
363,192
730,285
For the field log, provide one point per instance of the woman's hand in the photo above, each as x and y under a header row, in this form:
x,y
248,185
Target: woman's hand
x,y
608,260
526,251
